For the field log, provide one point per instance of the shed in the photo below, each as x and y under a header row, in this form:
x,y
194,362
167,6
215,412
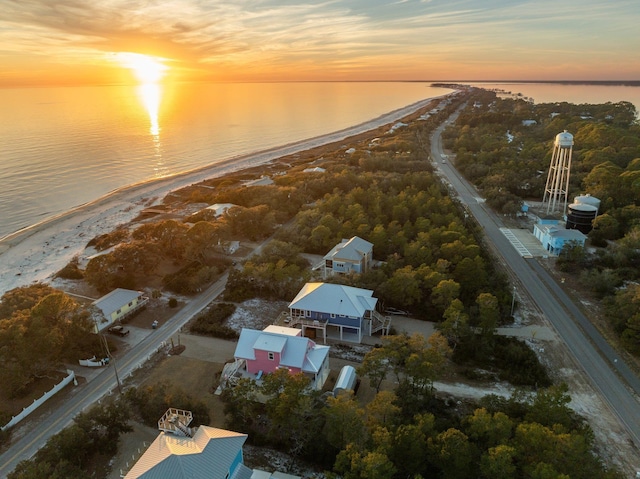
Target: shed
x,y
346,380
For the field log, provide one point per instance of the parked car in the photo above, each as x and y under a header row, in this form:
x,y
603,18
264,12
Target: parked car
x,y
397,312
118,331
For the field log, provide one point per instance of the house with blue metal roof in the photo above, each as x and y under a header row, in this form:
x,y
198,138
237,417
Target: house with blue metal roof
x,y
263,352
345,312
211,452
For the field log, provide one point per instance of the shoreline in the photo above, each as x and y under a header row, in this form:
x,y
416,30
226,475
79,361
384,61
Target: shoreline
x,y
35,253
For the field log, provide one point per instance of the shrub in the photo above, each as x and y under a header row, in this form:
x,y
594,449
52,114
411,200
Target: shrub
x,y
210,322
190,279
70,271
107,240
173,303
151,402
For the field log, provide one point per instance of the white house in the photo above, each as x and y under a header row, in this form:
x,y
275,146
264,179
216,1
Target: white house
x,y
116,306
353,255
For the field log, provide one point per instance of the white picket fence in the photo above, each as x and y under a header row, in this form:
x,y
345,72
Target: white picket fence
x,y
39,402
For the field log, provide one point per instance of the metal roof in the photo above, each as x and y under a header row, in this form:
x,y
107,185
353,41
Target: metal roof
x,y
209,453
335,299
296,351
115,300
353,249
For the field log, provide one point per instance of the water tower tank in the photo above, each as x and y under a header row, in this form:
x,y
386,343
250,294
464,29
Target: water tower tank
x,y
564,140
587,200
580,217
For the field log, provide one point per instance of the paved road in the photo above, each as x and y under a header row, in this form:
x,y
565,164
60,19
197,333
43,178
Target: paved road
x,y
92,392
608,373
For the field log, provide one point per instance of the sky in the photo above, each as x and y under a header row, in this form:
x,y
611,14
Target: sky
x,y
44,42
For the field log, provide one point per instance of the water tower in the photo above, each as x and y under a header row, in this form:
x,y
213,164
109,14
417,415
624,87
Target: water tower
x,y
555,191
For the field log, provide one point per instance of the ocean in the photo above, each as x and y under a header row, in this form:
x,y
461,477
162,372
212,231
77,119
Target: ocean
x,y
63,147
67,146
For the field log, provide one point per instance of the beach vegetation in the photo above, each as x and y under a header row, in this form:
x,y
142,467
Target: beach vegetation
x,y
190,279
278,273
210,322
150,403
105,241
36,340
81,450
23,298
71,270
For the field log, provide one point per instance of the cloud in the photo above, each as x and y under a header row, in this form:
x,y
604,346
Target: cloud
x,y
346,34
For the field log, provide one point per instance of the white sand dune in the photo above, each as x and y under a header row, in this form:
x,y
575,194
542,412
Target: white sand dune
x,y
34,254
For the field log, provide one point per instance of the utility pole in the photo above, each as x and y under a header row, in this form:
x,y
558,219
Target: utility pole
x,y
112,359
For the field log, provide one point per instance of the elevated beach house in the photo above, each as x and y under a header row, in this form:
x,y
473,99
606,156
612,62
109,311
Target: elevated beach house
x,y
262,352
181,453
344,312
353,255
116,306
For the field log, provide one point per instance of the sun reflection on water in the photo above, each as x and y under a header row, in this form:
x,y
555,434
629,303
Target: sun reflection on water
x,y
150,95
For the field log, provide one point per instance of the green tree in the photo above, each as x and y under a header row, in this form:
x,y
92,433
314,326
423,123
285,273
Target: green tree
x,y
355,464
498,462
488,315
488,430
375,365
452,452
344,421
444,293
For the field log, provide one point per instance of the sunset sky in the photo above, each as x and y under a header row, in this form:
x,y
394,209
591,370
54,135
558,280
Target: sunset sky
x,y
46,42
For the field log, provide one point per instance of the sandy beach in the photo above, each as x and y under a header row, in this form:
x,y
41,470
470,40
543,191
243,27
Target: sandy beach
x,y
34,254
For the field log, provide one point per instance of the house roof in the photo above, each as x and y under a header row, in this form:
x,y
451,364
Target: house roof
x,y
568,234
220,208
115,300
209,453
334,299
350,249
296,352
556,232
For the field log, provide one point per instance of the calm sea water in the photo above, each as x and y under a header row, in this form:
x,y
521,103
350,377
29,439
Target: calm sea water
x,y
63,147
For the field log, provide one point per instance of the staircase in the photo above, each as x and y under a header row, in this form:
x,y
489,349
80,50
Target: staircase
x,y
380,323
176,422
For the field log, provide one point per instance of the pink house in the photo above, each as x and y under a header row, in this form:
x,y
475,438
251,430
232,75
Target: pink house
x,y
263,352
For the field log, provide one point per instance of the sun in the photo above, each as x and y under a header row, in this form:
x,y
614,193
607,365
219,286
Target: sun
x,y
147,69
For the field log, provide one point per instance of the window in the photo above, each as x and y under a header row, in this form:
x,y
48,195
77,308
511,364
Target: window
x,y
271,356
333,315
131,304
118,312
307,314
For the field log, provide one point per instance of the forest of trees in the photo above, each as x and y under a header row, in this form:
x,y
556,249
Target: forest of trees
x,y
40,329
407,432
508,162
